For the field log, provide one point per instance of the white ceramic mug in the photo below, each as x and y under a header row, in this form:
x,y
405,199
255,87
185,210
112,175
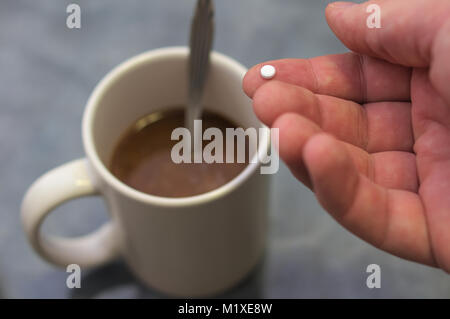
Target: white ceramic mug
x,y
192,246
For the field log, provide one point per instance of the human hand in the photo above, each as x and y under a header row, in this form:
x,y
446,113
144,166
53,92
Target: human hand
x,y
369,131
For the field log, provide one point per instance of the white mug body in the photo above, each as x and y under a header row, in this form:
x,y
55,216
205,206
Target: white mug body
x,y
191,246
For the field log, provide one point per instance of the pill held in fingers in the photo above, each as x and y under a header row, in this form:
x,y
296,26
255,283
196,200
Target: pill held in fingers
x,y
268,71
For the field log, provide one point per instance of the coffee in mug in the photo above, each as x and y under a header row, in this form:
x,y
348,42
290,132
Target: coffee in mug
x,y
142,157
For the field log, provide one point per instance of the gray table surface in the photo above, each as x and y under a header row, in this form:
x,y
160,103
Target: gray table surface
x,y
46,75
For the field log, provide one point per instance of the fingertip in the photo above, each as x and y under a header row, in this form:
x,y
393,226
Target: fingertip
x,y
332,173
294,131
321,149
274,98
340,5
246,84
251,81
333,11
335,7
440,65
345,19
263,99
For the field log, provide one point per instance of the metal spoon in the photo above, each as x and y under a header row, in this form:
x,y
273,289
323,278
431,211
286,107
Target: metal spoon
x,y
201,39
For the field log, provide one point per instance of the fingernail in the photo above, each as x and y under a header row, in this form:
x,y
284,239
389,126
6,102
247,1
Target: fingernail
x,y
342,4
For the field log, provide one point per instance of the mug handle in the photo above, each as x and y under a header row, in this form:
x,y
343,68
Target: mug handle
x,y
55,187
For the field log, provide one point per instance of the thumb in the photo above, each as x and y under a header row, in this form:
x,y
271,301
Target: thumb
x,y
407,30
413,33
440,65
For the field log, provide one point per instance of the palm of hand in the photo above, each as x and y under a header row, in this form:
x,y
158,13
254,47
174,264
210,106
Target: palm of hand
x,y
431,127
383,169
387,178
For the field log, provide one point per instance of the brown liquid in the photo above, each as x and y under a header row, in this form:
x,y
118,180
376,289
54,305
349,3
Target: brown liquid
x,y
142,160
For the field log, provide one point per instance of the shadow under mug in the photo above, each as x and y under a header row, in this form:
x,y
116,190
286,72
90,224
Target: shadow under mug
x,y
191,246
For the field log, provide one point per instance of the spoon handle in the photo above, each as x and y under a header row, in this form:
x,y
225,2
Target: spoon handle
x,y
201,39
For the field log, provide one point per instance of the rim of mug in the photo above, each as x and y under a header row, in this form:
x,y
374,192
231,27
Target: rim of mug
x,y
113,181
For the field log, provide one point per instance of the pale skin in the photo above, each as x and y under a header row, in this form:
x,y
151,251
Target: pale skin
x,y
369,131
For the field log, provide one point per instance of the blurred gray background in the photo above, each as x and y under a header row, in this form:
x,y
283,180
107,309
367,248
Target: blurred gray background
x,y
46,75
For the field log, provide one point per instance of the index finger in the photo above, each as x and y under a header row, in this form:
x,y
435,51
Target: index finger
x,y
348,76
